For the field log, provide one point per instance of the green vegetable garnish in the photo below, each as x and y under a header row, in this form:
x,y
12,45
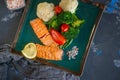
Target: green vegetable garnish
x,y
65,17
71,33
68,42
69,19
77,22
54,23
74,17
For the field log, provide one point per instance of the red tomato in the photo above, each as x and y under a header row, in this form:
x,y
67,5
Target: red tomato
x,y
57,37
64,27
58,9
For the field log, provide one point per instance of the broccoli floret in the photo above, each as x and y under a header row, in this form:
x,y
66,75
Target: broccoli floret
x,y
71,33
65,17
77,23
54,23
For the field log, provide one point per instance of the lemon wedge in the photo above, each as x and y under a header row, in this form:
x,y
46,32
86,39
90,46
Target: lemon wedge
x,y
30,51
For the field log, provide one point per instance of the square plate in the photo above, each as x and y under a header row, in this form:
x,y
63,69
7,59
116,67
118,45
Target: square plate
x,y
89,11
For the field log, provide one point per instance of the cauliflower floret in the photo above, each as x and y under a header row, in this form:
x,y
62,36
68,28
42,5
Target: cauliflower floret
x,y
45,11
69,5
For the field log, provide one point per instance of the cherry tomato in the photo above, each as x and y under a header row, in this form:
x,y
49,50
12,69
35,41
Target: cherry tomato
x,y
58,9
57,37
64,27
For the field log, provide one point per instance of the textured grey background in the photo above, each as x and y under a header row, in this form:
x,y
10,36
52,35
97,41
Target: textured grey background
x,y
9,21
103,62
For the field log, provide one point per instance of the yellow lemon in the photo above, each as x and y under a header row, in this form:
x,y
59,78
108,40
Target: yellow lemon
x,y
30,51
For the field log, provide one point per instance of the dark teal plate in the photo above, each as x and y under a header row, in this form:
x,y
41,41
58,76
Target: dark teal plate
x,y
86,10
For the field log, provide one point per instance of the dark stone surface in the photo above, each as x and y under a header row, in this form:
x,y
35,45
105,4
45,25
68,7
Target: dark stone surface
x,y
9,21
103,62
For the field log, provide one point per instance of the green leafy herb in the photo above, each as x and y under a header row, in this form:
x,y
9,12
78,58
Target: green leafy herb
x,y
54,23
71,33
65,17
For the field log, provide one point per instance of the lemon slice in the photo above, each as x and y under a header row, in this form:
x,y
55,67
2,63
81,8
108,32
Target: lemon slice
x,y
30,51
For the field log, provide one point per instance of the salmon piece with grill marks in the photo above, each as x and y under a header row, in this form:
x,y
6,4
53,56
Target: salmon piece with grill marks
x,y
42,33
49,52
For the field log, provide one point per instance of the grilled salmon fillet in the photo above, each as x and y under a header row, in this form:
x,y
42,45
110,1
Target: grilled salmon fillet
x,y
42,33
49,52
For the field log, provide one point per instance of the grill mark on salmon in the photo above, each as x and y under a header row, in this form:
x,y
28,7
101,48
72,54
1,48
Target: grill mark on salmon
x,y
42,33
48,52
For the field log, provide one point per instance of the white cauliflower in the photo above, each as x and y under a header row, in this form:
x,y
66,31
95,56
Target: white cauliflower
x,y
45,11
69,5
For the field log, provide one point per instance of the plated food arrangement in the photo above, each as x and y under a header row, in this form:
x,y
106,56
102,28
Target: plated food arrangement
x,y
56,26
57,32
